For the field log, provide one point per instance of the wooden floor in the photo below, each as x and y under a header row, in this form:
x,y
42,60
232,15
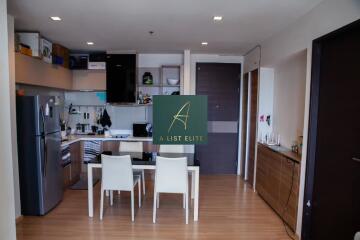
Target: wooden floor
x,y
229,209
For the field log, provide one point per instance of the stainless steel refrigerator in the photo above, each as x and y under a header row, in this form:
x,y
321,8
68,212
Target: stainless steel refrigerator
x,y
39,140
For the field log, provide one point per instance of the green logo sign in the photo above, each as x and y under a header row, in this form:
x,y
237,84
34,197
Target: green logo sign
x,y
180,119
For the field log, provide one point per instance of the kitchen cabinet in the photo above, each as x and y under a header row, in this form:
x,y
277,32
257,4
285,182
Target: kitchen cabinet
x,y
75,162
72,171
112,146
277,182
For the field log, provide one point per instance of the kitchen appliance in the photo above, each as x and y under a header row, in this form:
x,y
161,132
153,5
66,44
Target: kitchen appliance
x,y
121,78
97,61
142,130
79,61
39,141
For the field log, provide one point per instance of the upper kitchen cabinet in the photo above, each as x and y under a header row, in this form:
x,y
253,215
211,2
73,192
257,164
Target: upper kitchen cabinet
x,y
121,78
92,80
32,71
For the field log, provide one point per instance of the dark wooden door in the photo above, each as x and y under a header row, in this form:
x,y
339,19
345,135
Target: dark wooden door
x,y
245,94
332,194
252,111
221,83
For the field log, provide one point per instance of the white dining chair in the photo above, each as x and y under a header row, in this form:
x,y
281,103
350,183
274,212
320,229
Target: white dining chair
x,y
171,177
130,146
117,174
171,148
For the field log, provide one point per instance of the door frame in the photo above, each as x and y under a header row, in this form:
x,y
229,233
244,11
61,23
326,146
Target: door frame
x,y
313,123
200,58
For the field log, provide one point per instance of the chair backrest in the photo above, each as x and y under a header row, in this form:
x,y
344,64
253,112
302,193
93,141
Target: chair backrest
x,y
171,175
169,148
117,172
128,146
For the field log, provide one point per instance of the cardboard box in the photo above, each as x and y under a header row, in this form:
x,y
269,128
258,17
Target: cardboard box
x,y
30,39
46,50
60,55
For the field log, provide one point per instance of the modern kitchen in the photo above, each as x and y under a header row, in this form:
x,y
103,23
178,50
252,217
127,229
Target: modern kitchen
x,y
122,126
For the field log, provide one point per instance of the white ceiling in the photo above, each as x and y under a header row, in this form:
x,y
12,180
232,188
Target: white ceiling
x,y
122,25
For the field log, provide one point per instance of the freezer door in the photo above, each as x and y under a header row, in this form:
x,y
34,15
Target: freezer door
x,y
48,114
52,174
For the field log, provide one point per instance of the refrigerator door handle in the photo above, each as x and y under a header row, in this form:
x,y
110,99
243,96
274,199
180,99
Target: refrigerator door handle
x,y
43,137
45,156
42,120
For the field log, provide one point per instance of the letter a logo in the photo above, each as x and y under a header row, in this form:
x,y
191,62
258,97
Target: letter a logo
x,y
181,116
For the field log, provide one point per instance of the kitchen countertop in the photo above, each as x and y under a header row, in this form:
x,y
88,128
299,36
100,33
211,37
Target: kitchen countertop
x,y
76,138
284,151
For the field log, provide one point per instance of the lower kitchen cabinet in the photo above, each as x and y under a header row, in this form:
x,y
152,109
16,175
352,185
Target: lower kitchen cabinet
x,y
71,172
277,182
75,156
112,146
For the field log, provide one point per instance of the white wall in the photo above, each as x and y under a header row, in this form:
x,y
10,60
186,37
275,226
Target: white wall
x,y
13,114
329,15
150,60
289,98
266,96
7,206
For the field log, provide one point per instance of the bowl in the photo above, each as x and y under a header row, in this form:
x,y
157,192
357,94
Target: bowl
x,y
173,81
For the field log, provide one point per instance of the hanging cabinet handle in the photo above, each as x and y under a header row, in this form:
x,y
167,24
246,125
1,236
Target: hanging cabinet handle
x,y
356,159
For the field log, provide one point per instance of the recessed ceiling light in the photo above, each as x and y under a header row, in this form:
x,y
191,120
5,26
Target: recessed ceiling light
x,y
55,18
204,43
218,18
90,43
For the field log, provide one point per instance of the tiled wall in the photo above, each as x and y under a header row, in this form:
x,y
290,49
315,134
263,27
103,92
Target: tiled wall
x,y
122,117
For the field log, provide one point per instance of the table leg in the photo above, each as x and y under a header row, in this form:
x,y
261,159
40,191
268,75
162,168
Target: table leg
x,y
192,184
90,191
196,197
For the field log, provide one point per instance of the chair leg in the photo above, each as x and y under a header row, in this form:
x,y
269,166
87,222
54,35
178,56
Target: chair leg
x,y
101,202
143,181
139,193
111,197
184,205
157,200
187,208
132,205
154,206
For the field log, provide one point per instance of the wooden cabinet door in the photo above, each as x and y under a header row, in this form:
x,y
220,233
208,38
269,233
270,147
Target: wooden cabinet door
x,y
112,146
289,189
261,172
76,161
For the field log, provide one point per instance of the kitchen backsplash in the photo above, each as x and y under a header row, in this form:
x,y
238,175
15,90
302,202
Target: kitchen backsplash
x,y
93,103
122,117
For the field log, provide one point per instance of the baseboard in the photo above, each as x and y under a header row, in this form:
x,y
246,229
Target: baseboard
x,y
19,219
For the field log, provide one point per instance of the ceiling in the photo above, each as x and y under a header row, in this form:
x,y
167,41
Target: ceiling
x,y
124,25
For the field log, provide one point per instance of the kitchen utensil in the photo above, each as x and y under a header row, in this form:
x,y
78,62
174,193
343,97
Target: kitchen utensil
x,y
172,81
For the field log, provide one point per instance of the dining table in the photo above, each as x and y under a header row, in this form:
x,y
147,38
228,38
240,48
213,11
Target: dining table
x,y
147,161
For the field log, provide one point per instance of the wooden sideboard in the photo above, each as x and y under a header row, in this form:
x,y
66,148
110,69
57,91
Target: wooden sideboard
x,y
278,173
